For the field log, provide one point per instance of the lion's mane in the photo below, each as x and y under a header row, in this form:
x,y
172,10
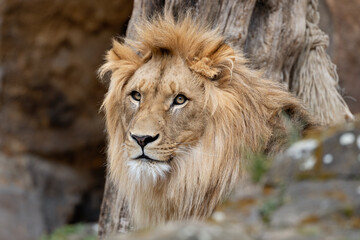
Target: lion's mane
x,y
248,114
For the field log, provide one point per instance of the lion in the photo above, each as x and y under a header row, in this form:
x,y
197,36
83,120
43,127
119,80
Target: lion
x,y
183,111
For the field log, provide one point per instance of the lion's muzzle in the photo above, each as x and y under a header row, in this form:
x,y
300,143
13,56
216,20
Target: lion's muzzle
x,y
144,140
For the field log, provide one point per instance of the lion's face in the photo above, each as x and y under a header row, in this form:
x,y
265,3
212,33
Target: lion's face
x,y
163,114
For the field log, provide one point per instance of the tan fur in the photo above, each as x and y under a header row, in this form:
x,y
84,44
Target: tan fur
x,y
231,111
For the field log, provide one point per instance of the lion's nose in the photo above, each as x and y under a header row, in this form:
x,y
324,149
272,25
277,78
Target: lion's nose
x,y
144,140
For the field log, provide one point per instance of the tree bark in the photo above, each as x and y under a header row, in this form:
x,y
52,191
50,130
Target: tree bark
x,y
273,34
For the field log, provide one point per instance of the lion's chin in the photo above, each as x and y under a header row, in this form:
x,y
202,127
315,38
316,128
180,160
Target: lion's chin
x,y
147,172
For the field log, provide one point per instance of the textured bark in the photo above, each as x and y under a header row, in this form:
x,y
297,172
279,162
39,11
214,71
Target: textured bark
x,y
114,216
271,33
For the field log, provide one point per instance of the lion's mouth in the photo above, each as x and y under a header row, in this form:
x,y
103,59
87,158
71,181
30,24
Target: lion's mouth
x,y
144,157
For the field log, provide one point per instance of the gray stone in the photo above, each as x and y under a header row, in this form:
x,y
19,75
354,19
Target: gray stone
x,y
35,196
331,153
344,151
189,231
298,211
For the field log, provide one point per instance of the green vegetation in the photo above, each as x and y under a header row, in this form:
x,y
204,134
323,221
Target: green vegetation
x,y
272,204
72,232
259,165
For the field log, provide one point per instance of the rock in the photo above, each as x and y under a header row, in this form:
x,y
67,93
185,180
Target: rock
x,y
315,200
50,55
35,196
332,153
189,231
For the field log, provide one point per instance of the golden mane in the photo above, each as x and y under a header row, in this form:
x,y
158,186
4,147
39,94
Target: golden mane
x,y
246,114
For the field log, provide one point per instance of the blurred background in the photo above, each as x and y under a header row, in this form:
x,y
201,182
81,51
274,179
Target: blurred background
x,y
52,139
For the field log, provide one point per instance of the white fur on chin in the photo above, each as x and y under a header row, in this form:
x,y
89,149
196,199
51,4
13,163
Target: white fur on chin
x,y
145,171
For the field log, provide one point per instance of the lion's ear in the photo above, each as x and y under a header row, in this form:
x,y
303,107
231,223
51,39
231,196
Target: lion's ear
x,y
214,62
204,67
120,56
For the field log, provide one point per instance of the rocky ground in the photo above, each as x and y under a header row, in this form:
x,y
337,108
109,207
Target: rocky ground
x,y
311,191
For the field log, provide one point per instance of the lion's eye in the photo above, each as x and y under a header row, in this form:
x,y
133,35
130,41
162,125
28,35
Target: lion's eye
x,y
136,95
180,99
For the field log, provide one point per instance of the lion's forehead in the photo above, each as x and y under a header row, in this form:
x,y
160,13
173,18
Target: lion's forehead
x,y
163,77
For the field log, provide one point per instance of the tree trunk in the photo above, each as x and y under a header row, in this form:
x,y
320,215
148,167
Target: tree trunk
x,y
280,37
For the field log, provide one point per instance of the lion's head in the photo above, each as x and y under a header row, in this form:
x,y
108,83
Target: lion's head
x,y
181,110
